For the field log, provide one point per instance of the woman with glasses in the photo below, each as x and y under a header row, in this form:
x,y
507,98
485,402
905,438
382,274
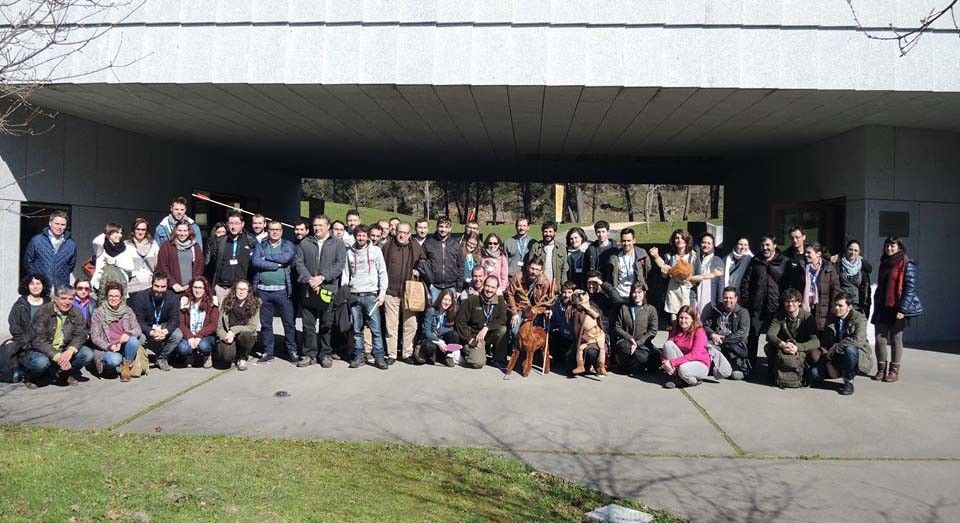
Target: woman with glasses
x,y
198,323
145,261
238,325
115,333
494,261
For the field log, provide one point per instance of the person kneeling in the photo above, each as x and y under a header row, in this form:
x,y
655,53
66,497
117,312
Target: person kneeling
x,y
790,339
849,350
727,326
440,338
685,356
57,335
115,333
237,329
482,321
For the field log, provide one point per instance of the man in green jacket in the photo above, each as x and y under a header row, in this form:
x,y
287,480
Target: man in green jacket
x,y
553,254
482,324
58,333
847,348
790,339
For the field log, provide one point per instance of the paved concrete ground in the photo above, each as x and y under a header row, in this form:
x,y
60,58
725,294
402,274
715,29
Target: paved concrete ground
x,y
718,452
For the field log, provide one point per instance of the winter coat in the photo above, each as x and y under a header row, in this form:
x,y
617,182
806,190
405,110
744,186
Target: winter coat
x,y
910,304
598,258
430,330
401,260
19,321
270,262
829,286
445,259
210,322
470,317
640,329
805,334
501,269
168,263
864,300
559,261
224,326
221,253
39,257
739,323
100,329
123,261
328,260
43,327
142,305
855,334
164,231
141,278
762,284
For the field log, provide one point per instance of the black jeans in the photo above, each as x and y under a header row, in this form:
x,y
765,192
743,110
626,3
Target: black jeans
x,y
759,324
312,313
645,358
431,352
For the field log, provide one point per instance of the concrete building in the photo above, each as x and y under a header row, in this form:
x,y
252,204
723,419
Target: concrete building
x,y
786,103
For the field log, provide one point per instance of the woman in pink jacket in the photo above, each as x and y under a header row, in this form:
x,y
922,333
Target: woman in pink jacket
x,y
685,358
494,262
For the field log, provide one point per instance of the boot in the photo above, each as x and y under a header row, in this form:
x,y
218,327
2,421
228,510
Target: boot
x,y
893,374
580,369
125,371
881,372
601,369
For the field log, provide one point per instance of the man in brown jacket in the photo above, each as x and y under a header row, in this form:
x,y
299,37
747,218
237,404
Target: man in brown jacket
x,y
527,289
401,256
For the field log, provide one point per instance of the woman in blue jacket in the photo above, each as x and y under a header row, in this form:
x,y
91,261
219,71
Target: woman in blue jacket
x,y
440,338
895,302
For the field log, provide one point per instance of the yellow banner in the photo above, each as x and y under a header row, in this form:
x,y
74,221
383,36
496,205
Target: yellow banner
x,y
558,202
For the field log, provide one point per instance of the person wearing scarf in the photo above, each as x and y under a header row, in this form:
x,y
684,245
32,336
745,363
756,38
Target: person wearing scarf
x,y
145,261
111,250
494,261
237,328
577,246
736,263
115,333
181,258
178,213
710,278
895,302
820,284
855,277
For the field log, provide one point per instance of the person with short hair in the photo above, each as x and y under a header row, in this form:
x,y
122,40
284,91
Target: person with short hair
x,y
482,325
727,325
628,265
401,256
258,224
518,245
301,229
320,263
199,318
597,257
847,348
145,262
83,300
158,313
476,284
636,325
353,221
798,245
444,260
339,230
897,300
114,258
238,324
57,342
560,329
422,230
577,246
678,265
393,222
553,254
526,290
821,284
52,252
375,234
181,258
760,291
231,256
178,212
272,259
791,337
368,285
115,333
440,338
684,356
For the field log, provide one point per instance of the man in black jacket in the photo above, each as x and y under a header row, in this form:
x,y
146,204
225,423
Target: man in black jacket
x,y
158,313
727,326
230,256
760,291
319,262
444,259
600,250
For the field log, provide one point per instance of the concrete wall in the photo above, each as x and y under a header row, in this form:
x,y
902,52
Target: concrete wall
x,y
874,169
107,174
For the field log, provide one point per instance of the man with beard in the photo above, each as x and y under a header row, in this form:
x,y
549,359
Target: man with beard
x,y
368,284
178,211
727,326
628,265
526,290
553,254
320,262
353,221
230,256
158,313
444,259
258,223
482,324
272,259
517,246
760,291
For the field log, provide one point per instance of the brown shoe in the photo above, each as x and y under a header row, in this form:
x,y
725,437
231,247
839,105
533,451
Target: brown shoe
x,y
893,374
881,371
601,369
580,369
125,371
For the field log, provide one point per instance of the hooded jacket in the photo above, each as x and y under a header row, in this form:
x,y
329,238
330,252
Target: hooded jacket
x,y
368,272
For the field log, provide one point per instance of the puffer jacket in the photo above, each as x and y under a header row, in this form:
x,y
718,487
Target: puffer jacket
x,y
761,285
910,304
445,258
56,266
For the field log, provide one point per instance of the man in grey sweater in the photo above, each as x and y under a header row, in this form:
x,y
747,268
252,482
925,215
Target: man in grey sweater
x,y
368,284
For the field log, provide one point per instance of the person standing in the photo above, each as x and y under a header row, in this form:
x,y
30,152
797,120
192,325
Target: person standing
x,y
470,243
896,301
145,262
736,263
628,266
230,257
368,285
577,246
178,212
554,255
353,221
401,256
114,260
854,272
258,224
820,285
760,292
517,246
599,252
422,229
709,280
181,258
320,262
52,252
679,265
272,259
798,245
444,260
158,313
494,262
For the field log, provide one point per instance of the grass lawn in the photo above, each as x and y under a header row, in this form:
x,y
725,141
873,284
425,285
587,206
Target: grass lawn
x,y
60,475
659,231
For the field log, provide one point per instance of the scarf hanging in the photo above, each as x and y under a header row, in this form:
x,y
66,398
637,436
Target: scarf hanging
x,y
851,269
734,267
890,280
240,313
811,286
184,245
111,315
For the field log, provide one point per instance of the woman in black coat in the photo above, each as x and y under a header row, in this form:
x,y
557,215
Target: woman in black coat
x,y
895,302
34,292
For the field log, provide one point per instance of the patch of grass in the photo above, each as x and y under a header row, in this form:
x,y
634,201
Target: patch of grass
x,y
60,475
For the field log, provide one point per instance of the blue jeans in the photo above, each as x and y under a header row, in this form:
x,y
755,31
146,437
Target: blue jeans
x,y
205,347
365,308
40,364
277,302
846,363
127,352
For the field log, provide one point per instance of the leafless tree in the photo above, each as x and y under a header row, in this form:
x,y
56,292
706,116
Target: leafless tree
x,y
36,38
907,39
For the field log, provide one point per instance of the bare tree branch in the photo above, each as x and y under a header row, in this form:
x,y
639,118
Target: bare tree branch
x,y
908,39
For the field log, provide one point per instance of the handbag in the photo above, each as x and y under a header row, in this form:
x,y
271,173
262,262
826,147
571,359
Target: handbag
x,y
140,363
414,296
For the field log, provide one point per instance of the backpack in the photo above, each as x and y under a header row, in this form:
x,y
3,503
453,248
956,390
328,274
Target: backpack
x,y
140,363
111,273
789,371
9,364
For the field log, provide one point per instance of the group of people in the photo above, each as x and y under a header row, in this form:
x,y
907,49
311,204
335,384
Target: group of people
x,y
392,291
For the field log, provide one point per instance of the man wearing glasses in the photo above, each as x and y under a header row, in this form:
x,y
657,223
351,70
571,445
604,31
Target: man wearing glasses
x,y
401,256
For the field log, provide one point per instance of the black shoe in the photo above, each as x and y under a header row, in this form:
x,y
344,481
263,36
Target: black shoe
x,y
847,389
30,384
449,362
305,361
382,365
391,361
408,360
326,362
163,365
357,363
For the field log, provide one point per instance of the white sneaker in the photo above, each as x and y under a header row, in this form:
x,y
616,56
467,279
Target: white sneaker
x,y
241,364
208,362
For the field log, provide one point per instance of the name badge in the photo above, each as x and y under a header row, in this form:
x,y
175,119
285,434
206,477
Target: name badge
x,y
234,261
519,264
578,269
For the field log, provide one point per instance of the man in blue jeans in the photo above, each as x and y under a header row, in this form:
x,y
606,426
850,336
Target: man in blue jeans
x,y
368,284
849,350
271,262
57,336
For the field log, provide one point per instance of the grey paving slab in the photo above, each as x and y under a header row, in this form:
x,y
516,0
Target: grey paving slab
x,y
442,406
916,417
94,404
780,490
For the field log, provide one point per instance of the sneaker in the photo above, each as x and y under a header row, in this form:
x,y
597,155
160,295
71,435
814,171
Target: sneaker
x,y
207,363
449,362
357,363
305,361
391,361
326,362
163,365
382,365
736,375
670,384
847,389
241,364
265,359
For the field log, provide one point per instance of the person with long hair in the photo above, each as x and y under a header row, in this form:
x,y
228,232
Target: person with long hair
x,y
237,328
577,246
679,264
198,323
470,243
735,264
114,259
181,258
896,301
146,249
115,333
34,292
855,276
218,230
684,356
494,261
440,338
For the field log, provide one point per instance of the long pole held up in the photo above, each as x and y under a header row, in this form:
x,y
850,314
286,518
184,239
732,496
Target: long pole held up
x,y
204,197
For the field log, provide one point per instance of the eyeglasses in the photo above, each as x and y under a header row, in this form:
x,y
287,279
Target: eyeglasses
x,y
141,229
199,288
491,244
84,288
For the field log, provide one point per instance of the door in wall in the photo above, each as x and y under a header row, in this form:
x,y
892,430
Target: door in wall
x,y
822,222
